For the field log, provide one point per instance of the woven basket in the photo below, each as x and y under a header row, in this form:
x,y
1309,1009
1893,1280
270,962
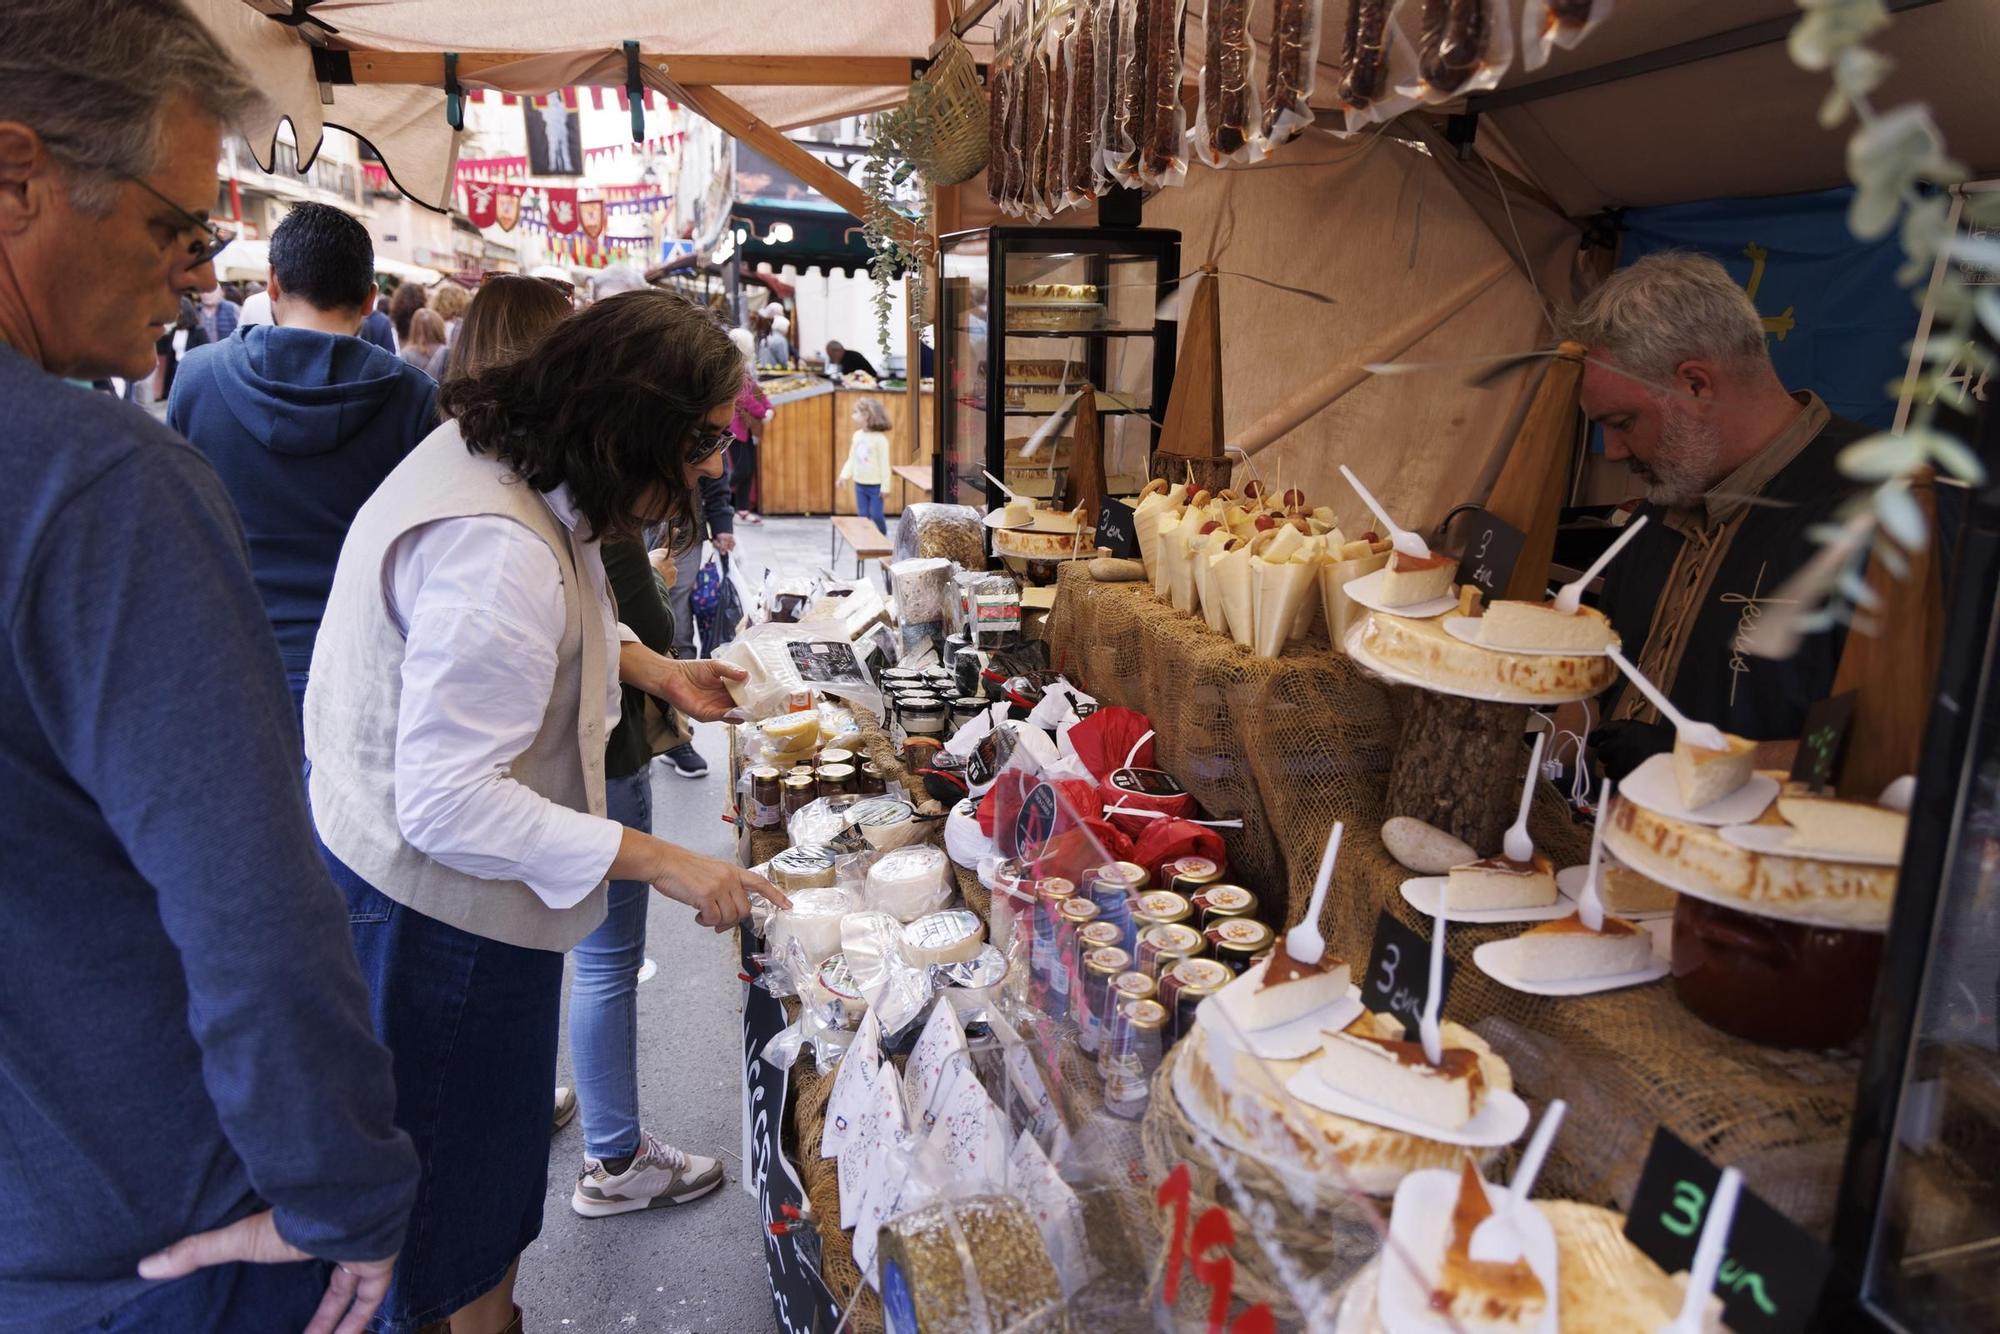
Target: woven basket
x,y
947,137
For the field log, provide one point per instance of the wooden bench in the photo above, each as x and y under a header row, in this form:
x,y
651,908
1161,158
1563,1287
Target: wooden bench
x,y
863,536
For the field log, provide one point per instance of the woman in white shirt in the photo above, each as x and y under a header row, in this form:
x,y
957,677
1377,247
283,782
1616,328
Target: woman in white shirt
x,y
464,684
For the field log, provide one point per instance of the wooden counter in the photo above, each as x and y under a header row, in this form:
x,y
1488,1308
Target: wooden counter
x,y
806,441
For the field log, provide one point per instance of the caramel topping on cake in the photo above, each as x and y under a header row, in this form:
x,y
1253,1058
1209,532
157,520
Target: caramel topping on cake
x,y
1457,1062
1284,968
1500,1291
1505,865
1402,562
1572,925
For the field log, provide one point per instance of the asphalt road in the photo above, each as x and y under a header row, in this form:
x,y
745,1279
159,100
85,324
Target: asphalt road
x,y
700,1266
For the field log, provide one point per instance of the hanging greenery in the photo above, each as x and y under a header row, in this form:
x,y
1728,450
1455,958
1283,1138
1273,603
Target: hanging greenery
x,y
1901,172
898,193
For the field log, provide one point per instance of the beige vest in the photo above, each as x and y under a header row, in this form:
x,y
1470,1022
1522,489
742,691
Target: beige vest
x,y
356,688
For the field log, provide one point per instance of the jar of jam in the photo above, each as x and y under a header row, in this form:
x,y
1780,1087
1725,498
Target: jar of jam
x,y
1157,907
1111,888
1215,902
1237,941
766,798
802,771
1125,988
1097,935
1101,967
1050,895
1136,1044
869,779
1189,875
1185,986
1163,946
835,779
1067,965
1013,909
796,793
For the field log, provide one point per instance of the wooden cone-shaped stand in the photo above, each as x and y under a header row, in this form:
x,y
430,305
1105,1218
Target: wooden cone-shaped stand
x,y
1529,491
1191,435
1086,459
1893,667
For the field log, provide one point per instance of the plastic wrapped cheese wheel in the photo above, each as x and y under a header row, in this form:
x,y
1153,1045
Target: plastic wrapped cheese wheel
x,y
834,985
813,921
908,882
943,937
808,867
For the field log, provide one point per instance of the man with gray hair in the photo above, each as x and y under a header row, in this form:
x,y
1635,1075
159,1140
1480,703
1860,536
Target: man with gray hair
x,y
195,1111
1736,473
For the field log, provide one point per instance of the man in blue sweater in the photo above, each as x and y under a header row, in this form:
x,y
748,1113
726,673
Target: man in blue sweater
x,y
188,1076
303,419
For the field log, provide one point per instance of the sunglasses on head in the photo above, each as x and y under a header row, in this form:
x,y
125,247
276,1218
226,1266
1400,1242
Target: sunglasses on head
x,y
209,240
705,444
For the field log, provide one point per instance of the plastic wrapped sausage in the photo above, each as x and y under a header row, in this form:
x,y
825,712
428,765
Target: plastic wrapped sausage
x,y
1163,150
996,129
1035,128
1547,24
1289,69
1376,62
1227,113
1463,46
1133,105
1082,131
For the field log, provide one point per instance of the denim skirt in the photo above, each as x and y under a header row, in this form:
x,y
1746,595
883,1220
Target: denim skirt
x,y
471,1025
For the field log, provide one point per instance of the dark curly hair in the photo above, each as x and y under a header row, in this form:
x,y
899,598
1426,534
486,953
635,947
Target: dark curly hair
x,y
605,401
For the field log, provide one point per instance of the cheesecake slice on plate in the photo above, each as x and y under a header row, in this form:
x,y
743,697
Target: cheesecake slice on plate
x,y
1394,1075
1833,825
1566,950
1543,627
1706,776
1408,580
1498,882
1483,1295
1280,990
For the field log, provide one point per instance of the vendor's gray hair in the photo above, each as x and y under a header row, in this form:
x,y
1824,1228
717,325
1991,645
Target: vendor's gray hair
x,y
1669,308
94,81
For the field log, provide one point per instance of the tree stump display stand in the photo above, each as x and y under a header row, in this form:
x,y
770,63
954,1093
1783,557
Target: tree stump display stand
x,y
1456,767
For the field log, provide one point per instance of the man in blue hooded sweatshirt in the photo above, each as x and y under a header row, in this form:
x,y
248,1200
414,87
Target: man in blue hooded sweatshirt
x,y
303,419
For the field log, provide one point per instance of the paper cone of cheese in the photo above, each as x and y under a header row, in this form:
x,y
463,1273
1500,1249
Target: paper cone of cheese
x,y
1208,591
1312,555
1231,580
1176,555
1350,561
1279,584
1166,521
1157,497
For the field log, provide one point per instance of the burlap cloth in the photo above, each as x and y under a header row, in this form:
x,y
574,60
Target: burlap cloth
x,y
1293,743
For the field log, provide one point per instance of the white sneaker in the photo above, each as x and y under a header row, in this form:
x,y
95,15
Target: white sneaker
x,y
659,1174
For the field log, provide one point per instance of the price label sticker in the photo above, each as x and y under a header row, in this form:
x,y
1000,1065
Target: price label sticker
x,y
1491,551
1118,529
1822,741
1399,974
1035,821
1772,1269
826,662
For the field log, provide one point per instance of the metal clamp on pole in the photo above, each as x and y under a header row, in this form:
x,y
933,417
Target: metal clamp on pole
x,y
635,92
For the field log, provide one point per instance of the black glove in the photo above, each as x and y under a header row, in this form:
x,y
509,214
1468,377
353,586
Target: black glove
x,y
1624,745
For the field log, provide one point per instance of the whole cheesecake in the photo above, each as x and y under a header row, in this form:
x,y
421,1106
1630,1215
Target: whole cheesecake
x,y
1424,650
1697,858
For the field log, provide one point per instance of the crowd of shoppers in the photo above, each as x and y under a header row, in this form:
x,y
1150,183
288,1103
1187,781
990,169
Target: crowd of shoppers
x,y
291,1045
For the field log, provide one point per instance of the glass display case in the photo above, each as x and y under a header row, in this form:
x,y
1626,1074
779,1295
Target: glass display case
x,y
1078,305
1917,1243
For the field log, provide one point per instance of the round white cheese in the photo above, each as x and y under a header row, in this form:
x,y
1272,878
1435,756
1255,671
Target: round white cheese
x,y
814,921
908,882
835,985
943,937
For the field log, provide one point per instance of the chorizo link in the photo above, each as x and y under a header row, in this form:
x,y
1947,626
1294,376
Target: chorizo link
x,y
1163,77
1364,53
1226,75
1284,72
1083,101
1137,106
1454,42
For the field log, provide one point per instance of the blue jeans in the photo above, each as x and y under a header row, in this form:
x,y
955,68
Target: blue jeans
x,y
604,999
868,503
228,1299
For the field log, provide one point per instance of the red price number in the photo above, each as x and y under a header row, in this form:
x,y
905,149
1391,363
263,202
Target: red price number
x,y
1205,1252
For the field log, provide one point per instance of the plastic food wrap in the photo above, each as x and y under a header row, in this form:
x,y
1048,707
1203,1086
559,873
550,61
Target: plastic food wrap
x,y
951,531
1163,149
1035,124
1289,70
1377,61
909,882
1547,24
971,1266
1080,159
996,126
1463,46
1055,166
1227,114
812,922
896,991
1130,110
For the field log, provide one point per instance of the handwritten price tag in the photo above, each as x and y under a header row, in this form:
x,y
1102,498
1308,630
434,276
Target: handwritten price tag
x,y
1118,529
1822,740
1490,554
1772,1270
1205,1251
1399,974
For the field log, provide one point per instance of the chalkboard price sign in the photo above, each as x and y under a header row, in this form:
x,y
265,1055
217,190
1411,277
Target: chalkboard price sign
x,y
1491,551
1772,1269
1118,529
1399,974
1822,740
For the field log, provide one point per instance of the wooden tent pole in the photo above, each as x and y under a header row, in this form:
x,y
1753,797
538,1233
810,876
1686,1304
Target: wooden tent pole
x,y
1529,491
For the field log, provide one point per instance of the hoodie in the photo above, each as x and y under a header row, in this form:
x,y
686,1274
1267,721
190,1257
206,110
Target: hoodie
x,y
302,426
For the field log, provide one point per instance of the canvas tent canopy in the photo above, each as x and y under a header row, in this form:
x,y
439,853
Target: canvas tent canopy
x,y
1428,252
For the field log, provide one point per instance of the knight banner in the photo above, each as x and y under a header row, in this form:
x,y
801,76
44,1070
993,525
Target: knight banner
x,y
507,206
562,209
1835,320
479,202
590,216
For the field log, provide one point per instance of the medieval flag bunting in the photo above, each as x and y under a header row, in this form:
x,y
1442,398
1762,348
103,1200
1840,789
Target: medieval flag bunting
x,y
507,206
479,202
562,209
590,216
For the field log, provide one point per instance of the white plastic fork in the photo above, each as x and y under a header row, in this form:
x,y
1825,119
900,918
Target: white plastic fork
x,y
1497,1239
1590,903
1706,735
1517,845
1427,1028
1571,596
1405,541
1707,1255
1304,942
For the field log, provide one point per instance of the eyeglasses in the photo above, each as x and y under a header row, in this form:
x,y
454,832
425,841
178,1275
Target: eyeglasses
x,y
209,244
706,444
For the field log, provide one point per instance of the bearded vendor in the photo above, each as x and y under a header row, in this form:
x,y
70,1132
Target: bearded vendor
x,y
1737,472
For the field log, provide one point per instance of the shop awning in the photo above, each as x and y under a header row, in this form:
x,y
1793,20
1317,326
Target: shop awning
x,y
801,239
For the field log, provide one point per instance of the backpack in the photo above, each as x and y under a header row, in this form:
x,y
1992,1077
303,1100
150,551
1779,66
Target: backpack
x,y
717,604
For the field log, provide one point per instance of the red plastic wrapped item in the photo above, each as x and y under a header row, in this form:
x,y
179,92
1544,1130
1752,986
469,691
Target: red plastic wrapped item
x,y
1077,802
1083,847
1163,841
1002,806
1104,740
1142,789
